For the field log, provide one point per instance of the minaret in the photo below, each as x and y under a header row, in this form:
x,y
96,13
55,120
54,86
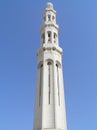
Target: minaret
x,y
50,110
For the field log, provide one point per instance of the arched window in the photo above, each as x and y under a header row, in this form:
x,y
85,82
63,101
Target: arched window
x,y
49,17
55,37
53,18
49,80
58,84
43,38
49,63
49,36
40,82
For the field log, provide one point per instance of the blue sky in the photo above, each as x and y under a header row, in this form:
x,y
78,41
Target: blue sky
x,y
20,22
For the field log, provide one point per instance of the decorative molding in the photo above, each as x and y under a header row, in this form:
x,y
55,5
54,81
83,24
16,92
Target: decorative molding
x,y
53,48
49,24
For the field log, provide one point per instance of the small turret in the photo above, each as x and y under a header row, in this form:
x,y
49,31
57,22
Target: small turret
x,y
49,28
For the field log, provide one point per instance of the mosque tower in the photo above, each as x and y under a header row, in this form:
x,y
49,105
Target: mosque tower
x,y
50,113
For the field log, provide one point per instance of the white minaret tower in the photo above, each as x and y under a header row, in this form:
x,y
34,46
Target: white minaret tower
x,y
50,111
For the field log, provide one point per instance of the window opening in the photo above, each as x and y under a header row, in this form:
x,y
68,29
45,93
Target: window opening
x,y
49,36
49,83
43,38
55,37
58,84
49,17
41,72
53,18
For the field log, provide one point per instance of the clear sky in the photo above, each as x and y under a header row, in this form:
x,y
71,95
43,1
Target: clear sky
x,y
20,22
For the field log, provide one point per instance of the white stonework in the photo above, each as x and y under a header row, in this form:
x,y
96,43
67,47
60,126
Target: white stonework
x,y
50,113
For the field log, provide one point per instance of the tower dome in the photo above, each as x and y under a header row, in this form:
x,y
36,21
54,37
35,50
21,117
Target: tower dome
x,y
49,5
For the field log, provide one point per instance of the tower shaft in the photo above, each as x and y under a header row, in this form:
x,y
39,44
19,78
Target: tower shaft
x,y
50,110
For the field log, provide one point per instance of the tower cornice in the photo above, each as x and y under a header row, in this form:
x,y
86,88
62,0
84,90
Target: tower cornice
x,y
49,48
49,24
47,10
